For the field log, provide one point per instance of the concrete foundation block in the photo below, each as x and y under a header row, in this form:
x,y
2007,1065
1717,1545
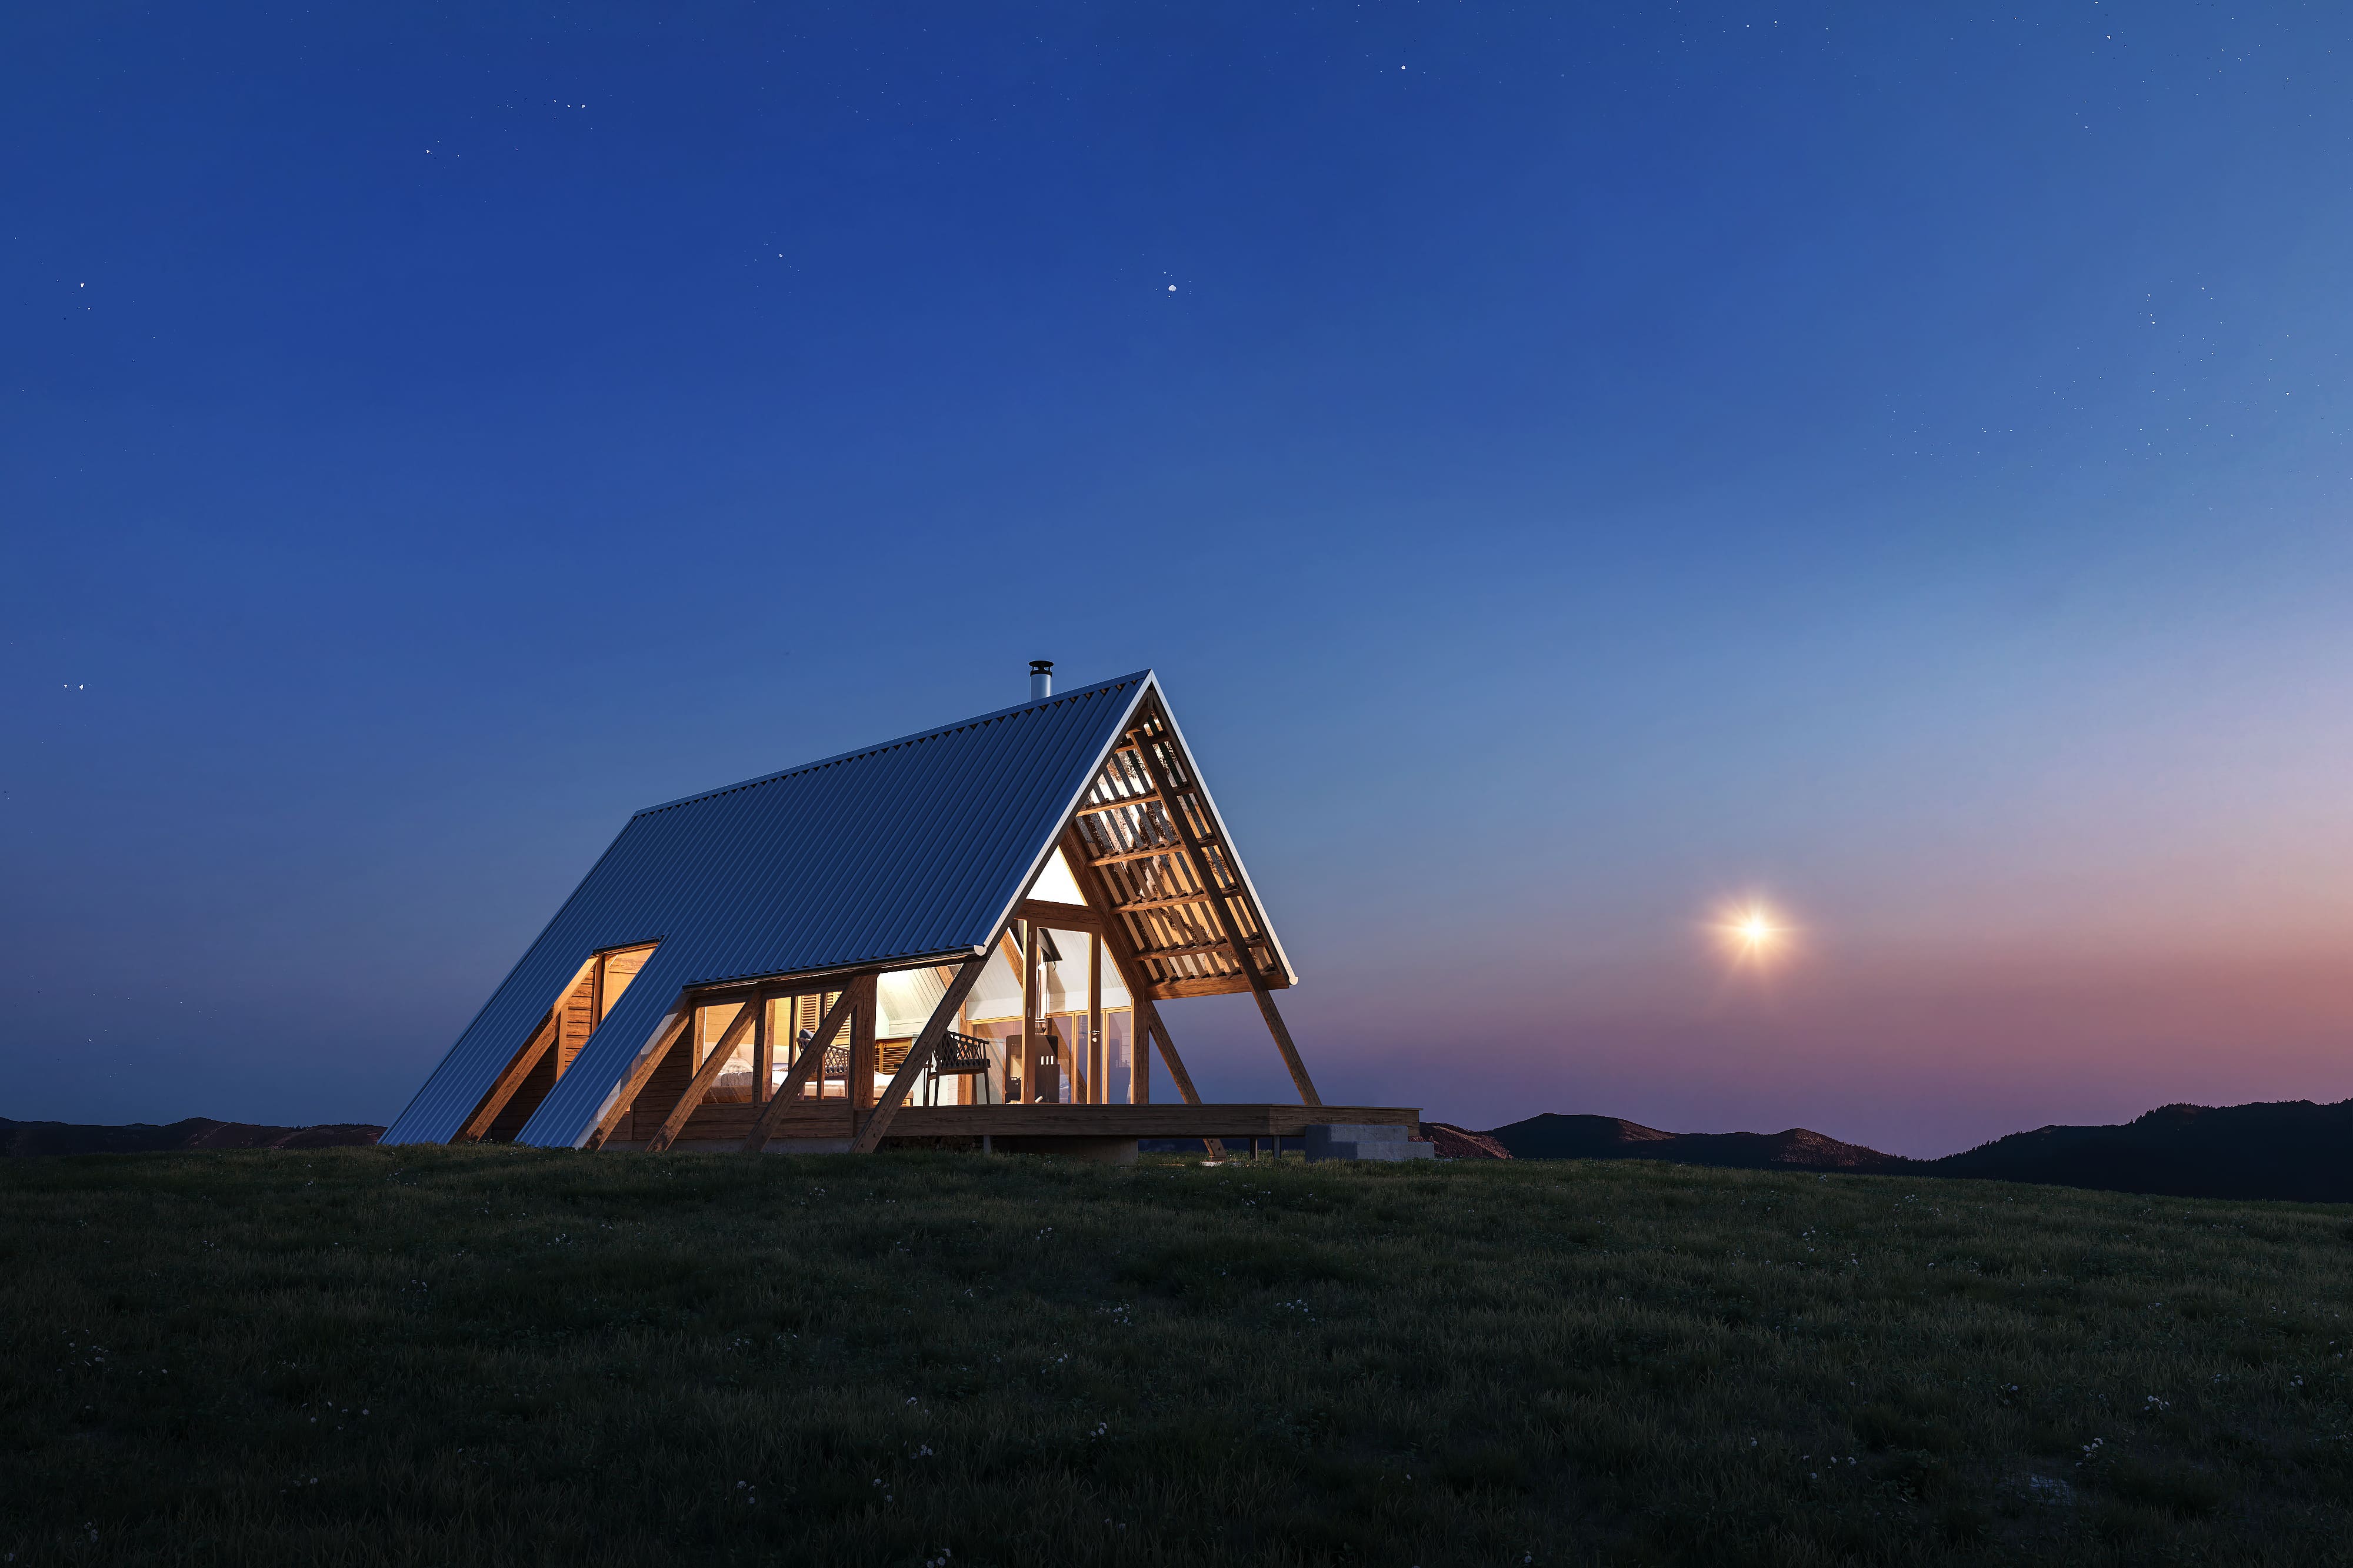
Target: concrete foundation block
x,y
1361,1141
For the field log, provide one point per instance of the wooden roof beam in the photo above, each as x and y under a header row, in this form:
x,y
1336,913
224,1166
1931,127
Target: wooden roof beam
x,y
1231,984
1189,950
1114,804
1056,915
1134,855
1173,901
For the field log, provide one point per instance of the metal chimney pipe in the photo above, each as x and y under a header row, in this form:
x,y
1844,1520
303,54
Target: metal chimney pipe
x,y
1041,678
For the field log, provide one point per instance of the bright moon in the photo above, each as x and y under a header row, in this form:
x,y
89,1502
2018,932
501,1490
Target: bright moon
x,y
1751,931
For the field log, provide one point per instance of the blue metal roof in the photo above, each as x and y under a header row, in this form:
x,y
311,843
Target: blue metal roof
x,y
915,849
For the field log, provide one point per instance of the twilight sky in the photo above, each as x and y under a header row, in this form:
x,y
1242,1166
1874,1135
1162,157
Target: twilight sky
x,y
1570,471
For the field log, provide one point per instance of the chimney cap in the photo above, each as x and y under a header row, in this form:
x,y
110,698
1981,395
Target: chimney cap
x,y
1041,667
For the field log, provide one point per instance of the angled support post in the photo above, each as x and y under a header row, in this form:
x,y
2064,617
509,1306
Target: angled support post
x,y
747,1018
788,1093
1217,897
919,1055
1175,1064
673,1025
542,1039
1150,1016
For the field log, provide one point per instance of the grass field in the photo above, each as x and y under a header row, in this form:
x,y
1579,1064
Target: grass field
x,y
500,1356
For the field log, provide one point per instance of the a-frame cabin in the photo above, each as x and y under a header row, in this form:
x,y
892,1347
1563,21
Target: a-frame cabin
x,y
963,935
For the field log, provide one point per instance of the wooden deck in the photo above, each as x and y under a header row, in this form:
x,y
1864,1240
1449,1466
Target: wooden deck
x,y
733,1123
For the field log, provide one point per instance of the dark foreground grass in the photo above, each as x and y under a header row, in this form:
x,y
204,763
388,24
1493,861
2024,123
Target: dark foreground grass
x,y
495,1356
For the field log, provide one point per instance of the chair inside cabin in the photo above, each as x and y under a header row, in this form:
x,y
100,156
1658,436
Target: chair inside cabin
x,y
959,1056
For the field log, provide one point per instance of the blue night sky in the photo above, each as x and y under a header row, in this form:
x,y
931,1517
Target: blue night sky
x,y
1570,471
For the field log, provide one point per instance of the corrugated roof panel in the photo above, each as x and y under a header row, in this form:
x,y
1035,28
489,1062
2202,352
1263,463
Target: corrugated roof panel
x,y
902,850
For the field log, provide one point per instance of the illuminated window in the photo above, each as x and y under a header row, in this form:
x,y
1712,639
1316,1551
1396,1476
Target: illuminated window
x,y
620,967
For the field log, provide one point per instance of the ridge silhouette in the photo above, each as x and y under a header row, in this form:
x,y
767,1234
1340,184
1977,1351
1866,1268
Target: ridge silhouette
x,y
2293,1150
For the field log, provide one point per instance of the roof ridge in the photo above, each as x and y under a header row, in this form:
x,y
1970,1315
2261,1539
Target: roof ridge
x,y
1112,684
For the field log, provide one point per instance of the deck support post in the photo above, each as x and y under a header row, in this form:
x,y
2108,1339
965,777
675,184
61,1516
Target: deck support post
x,y
962,1082
859,1090
762,1052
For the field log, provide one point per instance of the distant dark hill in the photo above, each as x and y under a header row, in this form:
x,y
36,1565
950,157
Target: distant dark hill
x,y
1552,1137
2293,1150
21,1138
2286,1149
1460,1143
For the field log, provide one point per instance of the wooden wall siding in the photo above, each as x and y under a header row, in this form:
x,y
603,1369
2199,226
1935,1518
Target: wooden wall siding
x,y
662,1087
733,1123
527,1095
579,1022
1175,932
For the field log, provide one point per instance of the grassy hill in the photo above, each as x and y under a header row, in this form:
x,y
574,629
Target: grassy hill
x,y
2291,1149
362,1356
2282,1149
31,1138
